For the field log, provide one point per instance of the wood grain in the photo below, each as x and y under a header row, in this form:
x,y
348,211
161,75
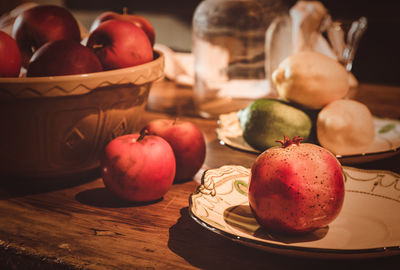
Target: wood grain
x,y
75,223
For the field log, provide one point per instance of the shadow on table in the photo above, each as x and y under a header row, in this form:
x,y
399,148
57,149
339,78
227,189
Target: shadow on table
x,y
209,250
11,187
102,197
213,251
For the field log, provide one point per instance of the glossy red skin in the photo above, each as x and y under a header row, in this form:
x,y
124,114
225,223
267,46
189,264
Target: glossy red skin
x,y
41,24
63,57
10,57
138,20
296,189
186,140
120,44
139,171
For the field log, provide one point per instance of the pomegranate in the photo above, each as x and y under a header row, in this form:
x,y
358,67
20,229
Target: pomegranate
x,y
296,188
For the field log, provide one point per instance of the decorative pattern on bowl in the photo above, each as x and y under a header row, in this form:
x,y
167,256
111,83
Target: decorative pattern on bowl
x,y
56,86
60,125
366,227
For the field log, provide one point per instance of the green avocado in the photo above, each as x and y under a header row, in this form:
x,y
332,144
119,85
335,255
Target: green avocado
x,y
265,121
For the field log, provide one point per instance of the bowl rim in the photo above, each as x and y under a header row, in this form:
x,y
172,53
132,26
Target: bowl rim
x,y
158,60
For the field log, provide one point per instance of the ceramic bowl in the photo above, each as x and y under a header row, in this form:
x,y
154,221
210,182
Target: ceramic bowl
x,y
56,126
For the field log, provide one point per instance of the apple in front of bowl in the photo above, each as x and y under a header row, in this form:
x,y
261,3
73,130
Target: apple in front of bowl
x,y
138,167
186,140
10,56
41,24
138,20
120,44
63,57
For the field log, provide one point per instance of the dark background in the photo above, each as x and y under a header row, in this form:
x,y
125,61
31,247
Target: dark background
x,y
378,56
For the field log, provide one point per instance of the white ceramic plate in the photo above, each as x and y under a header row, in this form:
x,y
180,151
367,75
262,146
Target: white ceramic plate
x,y
386,144
367,226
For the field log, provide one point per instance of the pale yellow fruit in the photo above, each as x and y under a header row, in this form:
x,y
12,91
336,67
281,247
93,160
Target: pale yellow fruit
x,y
311,79
345,127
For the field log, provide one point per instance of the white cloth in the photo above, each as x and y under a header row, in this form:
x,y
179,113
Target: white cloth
x,y
179,66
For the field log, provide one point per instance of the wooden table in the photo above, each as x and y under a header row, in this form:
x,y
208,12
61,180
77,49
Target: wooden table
x,y
75,223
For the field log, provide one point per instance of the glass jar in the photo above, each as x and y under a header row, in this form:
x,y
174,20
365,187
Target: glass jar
x,y
228,48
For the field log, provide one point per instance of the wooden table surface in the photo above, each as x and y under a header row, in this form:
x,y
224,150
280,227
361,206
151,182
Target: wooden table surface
x,y
75,223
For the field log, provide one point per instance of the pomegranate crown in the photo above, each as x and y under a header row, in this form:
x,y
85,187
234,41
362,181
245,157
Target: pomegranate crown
x,y
287,141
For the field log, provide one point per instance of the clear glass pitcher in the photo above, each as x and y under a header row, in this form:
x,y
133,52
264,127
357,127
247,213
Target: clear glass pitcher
x,y
229,52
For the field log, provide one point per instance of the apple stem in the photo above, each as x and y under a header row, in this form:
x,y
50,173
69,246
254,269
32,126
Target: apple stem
x,y
144,132
124,10
97,46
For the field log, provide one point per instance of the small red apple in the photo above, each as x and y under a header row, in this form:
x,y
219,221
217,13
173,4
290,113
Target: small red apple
x,y
296,188
10,56
186,140
63,57
120,44
41,24
138,20
138,167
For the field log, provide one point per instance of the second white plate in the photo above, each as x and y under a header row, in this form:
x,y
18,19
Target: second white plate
x,y
386,144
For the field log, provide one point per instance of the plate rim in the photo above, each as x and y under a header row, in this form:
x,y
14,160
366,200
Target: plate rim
x,y
329,253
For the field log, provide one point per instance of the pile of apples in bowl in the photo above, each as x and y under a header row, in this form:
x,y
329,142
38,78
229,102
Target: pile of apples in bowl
x,y
64,96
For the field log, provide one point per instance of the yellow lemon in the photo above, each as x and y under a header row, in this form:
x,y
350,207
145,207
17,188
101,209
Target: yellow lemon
x,y
311,79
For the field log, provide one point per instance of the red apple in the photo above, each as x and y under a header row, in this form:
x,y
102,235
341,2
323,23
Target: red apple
x,y
10,56
41,24
138,167
63,57
120,44
296,188
138,20
186,140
